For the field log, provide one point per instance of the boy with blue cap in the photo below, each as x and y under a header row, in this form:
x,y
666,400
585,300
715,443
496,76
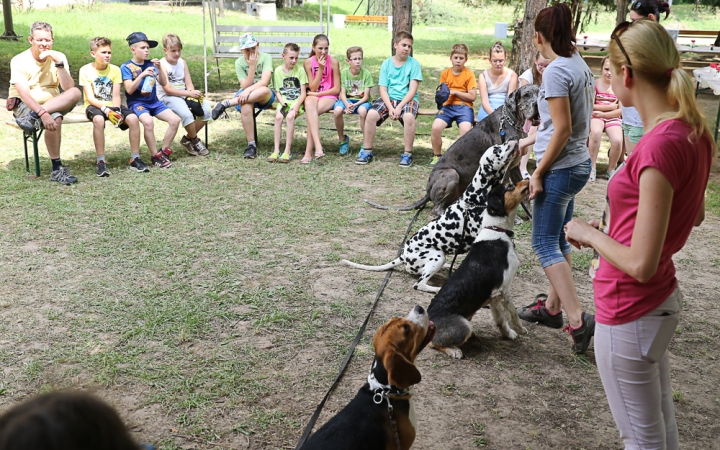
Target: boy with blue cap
x,y
254,71
139,76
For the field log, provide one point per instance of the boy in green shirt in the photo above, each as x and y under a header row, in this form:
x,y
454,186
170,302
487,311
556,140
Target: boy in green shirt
x,y
254,71
289,82
354,95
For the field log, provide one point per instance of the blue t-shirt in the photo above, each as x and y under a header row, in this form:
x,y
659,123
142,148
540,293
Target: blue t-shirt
x,y
397,79
130,71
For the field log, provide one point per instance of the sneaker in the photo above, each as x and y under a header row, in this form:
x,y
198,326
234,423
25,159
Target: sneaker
x,y
581,336
160,160
364,157
102,169
29,122
273,157
139,165
345,146
406,160
285,158
250,152
200,147
62,176
434,160
218,110
536,312
167,152
188,144
610,173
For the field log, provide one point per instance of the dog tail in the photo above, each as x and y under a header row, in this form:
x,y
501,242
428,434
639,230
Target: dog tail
x,y
415,205
394,263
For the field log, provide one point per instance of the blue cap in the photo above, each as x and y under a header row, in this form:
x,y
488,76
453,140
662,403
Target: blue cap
x,y
442,94
139,36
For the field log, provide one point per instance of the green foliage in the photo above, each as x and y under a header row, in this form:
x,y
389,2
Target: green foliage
x,y
427,12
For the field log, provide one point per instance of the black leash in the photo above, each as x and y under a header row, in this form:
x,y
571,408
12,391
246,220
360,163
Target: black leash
x,y
351,351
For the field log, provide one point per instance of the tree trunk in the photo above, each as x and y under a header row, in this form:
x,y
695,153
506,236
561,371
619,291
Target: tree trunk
x,y
524,50
402,19
622,9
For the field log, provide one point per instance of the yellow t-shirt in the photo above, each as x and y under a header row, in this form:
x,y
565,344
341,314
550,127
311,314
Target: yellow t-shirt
x,y
42,77
100,81
464,82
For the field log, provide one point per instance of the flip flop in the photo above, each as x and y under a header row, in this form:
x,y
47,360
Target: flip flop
x,y
306,161
317,157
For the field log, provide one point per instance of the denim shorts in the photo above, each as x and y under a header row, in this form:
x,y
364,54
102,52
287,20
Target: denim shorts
x,y
553,208
352,101
456,113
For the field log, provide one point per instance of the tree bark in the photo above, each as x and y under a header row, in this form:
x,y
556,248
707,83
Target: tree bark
x,y
622,9
402,19
524,50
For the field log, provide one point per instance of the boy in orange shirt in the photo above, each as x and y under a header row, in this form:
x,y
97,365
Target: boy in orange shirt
x,y
459,105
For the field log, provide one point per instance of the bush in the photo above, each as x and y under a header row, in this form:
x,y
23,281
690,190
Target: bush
x,y
424,12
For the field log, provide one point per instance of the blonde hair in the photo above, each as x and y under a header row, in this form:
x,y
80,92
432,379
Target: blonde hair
x,y
498,47
354,49
170,41
655,60
460,49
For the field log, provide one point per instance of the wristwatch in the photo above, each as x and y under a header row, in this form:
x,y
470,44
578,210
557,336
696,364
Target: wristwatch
x,y
60,65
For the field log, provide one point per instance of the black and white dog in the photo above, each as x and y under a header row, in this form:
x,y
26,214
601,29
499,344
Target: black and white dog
x,y
484,277
455,230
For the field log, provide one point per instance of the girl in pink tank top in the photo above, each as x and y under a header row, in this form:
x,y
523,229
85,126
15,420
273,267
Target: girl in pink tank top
x,y
323,73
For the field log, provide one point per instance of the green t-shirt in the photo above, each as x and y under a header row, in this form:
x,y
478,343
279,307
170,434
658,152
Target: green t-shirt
x,y
288,84
355,85
264,65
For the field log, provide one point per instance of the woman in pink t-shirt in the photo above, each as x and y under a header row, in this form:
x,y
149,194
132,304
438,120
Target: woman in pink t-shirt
x,y
655,199
323,72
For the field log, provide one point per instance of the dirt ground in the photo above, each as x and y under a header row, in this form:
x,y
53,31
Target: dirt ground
x,y
532,393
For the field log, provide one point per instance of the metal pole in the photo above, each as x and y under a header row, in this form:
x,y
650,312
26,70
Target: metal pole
x,y
7,17
321,18
327,19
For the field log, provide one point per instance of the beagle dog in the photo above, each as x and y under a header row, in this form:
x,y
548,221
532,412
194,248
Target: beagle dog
x,y
483,278
382,415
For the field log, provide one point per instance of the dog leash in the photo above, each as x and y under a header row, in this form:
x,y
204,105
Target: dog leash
x,y
351,350
383,392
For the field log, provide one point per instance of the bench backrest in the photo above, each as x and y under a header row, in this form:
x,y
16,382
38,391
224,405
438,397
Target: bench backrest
x,y
272,39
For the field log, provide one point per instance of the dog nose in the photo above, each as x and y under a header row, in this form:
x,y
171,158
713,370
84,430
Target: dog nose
x,y
419,310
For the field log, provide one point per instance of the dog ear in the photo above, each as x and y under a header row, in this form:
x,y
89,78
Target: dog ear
x,y
401,372
496,201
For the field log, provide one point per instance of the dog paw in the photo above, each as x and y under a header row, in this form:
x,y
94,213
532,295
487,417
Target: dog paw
x,y
454,352
512,335
523,330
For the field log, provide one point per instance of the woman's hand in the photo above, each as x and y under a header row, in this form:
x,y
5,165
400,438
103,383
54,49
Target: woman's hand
x,y
536,185
579,232
321,62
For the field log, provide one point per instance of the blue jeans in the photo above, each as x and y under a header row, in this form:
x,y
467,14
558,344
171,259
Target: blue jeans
x,y
553,208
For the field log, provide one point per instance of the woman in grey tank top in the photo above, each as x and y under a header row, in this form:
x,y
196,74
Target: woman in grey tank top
x,y
565,103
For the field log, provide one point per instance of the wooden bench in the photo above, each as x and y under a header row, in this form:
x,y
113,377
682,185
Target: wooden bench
x,y
380,20
272,40
699,34
68,119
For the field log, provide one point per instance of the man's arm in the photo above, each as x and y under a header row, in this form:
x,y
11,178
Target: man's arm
x,y
23,89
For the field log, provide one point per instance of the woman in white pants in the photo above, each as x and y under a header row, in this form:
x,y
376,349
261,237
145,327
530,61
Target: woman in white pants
x,y
654,201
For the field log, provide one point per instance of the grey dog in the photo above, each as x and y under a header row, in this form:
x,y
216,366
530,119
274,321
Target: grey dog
x,y
456,168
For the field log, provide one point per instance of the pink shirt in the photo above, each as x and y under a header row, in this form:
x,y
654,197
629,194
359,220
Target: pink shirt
x,y
327,81
619,298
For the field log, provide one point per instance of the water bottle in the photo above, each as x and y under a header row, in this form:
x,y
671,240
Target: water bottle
x,y
148,84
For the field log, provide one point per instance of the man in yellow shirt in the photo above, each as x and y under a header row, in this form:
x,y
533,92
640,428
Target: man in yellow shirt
x,y
36,76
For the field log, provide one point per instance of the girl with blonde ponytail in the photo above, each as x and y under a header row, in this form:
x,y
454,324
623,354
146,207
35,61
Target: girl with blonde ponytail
x,y
654,200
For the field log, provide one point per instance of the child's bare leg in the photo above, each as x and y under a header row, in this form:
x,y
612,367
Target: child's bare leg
x,y
340,122
523,163
370,129
173,122
134,133
261,96
190,130
199,124
99,135
464,127
438,127
277,129
409,123
323,105
313,122
290,131
149,131
615,135
362,112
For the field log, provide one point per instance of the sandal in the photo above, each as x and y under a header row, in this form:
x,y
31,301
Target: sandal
x,y
306,160
273,157
285,158
593,176
319,156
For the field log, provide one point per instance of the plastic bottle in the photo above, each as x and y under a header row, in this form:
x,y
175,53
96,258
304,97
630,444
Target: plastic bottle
x,y
148,84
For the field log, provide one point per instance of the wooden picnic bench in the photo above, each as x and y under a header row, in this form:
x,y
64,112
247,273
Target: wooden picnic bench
x,y
380,20
699,34
272,40
68,119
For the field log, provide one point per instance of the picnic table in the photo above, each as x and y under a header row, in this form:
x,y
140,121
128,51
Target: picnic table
x,y
708,79
596,45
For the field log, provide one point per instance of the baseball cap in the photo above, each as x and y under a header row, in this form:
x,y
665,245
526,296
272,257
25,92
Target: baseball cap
x,y
247,40
442,94
139,36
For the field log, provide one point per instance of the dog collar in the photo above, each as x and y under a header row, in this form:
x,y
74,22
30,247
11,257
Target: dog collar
x,y
505,117
510,233
386,391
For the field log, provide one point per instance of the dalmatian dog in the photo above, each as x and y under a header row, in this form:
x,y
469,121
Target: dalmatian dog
x,y
425,252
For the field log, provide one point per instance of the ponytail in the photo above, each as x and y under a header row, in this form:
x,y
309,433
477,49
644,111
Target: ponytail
x,y
555,24
318,38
